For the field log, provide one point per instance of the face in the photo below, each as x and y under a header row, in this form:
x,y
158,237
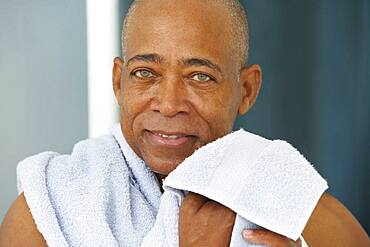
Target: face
x,y
179,86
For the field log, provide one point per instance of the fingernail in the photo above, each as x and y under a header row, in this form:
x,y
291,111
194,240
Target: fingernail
x,y
247,233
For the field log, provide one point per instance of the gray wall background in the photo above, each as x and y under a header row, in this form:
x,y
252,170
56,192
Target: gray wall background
x,y
43,83
316,61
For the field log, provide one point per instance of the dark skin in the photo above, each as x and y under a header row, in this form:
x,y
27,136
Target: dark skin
x,y
330,225
164,86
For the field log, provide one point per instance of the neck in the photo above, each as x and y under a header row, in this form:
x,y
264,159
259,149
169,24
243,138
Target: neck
x,y
160,177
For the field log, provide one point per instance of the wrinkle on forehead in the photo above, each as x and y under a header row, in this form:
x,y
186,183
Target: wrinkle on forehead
x,y
237,28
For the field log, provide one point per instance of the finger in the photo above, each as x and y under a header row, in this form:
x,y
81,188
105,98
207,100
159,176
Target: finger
x,y
261,236
193,202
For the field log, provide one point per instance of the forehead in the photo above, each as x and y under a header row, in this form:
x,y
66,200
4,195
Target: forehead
x,y
179,29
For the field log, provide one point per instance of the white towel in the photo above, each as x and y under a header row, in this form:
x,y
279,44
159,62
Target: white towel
x,y
265,182
103,194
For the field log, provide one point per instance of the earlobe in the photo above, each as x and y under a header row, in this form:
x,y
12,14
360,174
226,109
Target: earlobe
x,y
116,77
251,80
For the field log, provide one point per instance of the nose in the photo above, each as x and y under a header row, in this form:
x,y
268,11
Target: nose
x,y
170,98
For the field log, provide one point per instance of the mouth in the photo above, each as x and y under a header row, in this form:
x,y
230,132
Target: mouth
x,y
169,139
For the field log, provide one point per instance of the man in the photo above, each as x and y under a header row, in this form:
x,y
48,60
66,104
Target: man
x,y
181,84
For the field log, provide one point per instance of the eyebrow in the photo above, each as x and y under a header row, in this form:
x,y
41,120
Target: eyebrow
x,y
152,58
155,58
201,62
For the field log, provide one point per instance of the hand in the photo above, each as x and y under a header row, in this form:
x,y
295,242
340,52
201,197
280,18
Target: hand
x,y
203,222
270,239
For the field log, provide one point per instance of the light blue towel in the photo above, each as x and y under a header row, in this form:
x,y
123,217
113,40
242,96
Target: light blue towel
x,y
93,197
103,194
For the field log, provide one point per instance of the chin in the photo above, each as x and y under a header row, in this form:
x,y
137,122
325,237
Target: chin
x,y
163,167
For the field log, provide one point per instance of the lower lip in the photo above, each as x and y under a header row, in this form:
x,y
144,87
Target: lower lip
x,y
174,143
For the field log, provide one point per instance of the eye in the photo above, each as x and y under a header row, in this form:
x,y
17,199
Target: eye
x,y
143,74
200,77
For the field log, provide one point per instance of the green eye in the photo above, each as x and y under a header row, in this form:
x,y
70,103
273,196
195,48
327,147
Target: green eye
x,y
142,73
202,77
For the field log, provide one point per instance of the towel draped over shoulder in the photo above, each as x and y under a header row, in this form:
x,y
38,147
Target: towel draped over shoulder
x,y
103,194
93,197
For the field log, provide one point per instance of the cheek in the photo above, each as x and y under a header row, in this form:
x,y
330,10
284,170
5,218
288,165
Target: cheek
x,y
135,98
218,109
134,102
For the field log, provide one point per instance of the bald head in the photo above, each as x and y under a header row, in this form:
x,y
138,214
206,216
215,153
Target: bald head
x,y
236,30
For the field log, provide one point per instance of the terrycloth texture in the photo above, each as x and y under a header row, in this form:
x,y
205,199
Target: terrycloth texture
x,y
267,182
93,197
104,195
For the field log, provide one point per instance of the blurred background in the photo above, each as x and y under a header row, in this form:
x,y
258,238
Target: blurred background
x,y
55,83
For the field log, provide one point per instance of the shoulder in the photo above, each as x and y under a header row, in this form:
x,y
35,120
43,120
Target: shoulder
x,y
332,224
19,228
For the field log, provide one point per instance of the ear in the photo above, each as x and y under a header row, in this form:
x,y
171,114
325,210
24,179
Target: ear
x,y
116,78
251,80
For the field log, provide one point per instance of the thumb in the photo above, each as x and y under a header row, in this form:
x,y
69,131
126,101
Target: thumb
x,y
193,202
